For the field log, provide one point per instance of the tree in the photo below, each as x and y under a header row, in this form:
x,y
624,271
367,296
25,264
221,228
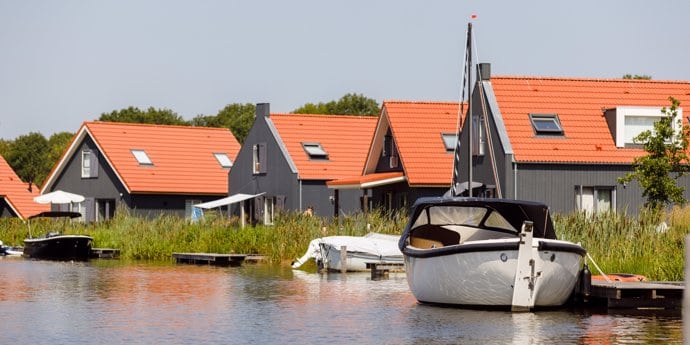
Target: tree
x,y
238,117
151,115
665,162
638,76
28,158
350,104
57,145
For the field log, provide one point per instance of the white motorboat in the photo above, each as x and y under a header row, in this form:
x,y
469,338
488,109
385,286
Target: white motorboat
x,y
488,252
361,252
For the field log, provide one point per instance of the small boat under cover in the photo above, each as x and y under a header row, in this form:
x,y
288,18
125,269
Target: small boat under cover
x,y
361,251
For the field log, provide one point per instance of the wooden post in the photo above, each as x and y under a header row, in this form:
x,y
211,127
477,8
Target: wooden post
x,y
686,295
343,259
241,213
336,202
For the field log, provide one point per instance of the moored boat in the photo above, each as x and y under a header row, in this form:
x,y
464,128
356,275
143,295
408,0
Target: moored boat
x,y
56,246
488,252
361,251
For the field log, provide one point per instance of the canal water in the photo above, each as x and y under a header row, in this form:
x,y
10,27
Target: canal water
x,y
115,302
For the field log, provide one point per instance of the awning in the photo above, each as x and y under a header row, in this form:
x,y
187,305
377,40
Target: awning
x,y
367,181
227,200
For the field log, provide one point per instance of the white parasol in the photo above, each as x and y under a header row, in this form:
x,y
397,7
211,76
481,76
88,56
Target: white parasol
x,y
58,197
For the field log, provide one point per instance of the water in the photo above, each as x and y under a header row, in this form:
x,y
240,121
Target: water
x,y
109,301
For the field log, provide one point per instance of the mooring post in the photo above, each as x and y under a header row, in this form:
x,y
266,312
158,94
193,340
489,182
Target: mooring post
x,y
343,259
686,295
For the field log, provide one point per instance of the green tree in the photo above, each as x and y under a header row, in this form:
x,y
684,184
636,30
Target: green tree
x,y
57,145
665,162
638,76
5,147
350,104
238,117
151,115
27,158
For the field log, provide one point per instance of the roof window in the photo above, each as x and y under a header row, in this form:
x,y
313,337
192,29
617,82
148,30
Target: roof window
x,y
315,150
546,124
223,160
142,157
449,141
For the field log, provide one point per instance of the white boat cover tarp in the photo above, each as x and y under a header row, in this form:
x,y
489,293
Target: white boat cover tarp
x,y
371,243
58,197
235,198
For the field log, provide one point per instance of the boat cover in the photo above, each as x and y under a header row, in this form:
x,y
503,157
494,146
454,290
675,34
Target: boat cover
x,y
372,243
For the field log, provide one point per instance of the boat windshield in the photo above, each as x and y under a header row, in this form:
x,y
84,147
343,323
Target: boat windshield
x,y
461,215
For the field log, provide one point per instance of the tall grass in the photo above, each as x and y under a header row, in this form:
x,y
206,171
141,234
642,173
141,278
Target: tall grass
x,y
618,242
621,243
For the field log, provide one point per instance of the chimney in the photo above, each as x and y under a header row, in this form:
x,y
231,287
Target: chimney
x,y
263,110
485,71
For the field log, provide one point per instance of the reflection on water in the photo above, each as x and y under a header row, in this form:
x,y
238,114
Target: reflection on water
x,y
137,303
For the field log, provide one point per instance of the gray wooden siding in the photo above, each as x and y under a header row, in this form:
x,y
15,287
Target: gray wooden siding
x,y
5,209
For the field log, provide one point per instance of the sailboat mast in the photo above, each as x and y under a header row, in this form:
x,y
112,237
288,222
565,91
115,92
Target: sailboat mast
x,y
468,118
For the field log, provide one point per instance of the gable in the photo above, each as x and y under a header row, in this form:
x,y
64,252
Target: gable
x,y
16,193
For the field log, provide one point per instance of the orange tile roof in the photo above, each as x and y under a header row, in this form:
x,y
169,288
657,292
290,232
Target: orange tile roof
x,y
579,104
417,128
16,193
182,156
345,138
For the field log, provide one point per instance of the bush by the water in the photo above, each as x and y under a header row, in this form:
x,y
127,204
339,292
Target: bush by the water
x,y
619,243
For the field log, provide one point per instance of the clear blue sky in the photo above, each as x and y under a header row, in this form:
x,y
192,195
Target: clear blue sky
x,y
65,62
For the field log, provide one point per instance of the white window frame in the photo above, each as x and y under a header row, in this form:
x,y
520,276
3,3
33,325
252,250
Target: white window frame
x,y
624,134
315,150
592,206
450,141
256,167
141,156
86,164
223,159
269,210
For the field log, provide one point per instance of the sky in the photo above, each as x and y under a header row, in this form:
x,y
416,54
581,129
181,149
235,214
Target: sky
x,y
68,61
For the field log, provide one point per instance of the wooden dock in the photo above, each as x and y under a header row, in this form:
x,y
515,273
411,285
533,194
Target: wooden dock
x,y
382,270
210,259
635,295
105,253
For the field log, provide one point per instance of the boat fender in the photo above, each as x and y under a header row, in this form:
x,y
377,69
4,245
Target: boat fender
x,y
586,280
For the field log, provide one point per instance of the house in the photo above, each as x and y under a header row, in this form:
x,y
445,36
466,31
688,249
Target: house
x,y
565,141
146,169
15,198
410,155
290,157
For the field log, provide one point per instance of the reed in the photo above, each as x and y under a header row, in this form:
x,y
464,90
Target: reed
x,y
619,242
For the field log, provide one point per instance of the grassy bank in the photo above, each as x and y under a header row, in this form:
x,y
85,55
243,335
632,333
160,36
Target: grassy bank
x,y
618,242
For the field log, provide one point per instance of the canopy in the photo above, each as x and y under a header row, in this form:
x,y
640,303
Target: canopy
x,y
58,197
227,200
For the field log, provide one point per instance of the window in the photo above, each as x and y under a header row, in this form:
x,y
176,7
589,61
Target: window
x,y
546,124
89,164
142,157
259,158
223,160
315,151
595,199
387,145
478,138
269,210
449,141
190,212
629,122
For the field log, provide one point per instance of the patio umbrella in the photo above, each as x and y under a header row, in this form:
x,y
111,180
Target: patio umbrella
x,y
58,197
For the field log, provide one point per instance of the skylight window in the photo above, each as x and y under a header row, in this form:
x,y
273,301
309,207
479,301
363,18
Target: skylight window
x,y
223,160
315,150
546,124
449,141
142,157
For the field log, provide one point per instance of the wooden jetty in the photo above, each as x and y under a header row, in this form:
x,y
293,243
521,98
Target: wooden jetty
x,y
634,295
381,270
210,259
105,253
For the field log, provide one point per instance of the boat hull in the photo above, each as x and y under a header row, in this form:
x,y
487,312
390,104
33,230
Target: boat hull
x,y
356,261
60,247
486,277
